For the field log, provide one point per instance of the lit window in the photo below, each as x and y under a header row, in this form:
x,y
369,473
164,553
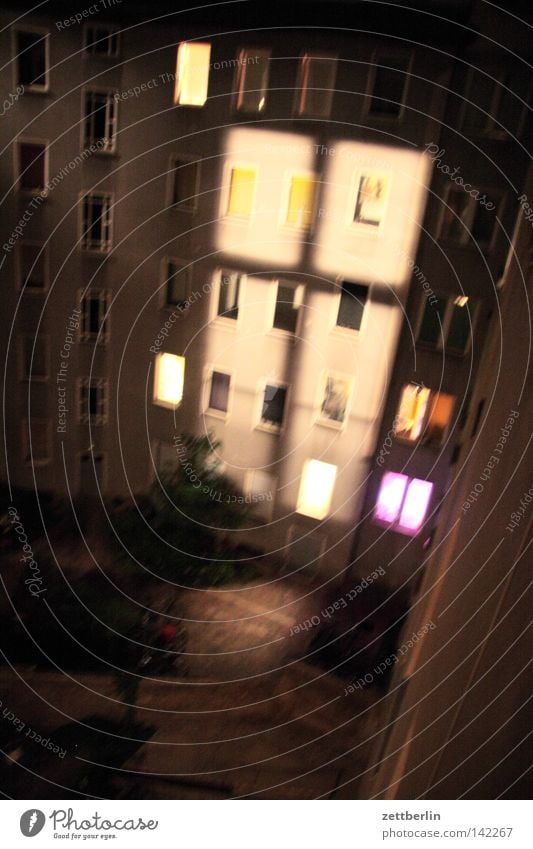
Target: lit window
x,y
177,282
35,355
351,305
389,75
36,441
402,502
446,324
497,106
252,79
101,41
33,266
219,392
100,125
96,222
192,73
31,56
273,406
169,376
94,316
260,487
228,297
371,199
241,192
316,85
423,413
336,398
184,177
463,219
92,400
32,161
316,489
301,202
289,300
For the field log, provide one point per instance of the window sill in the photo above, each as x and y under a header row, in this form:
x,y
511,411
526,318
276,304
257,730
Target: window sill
x,y
331,423
272,430
283,335
216,414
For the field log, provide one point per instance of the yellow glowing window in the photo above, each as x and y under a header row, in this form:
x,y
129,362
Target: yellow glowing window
x,y
440,416
301,202
168,380
412,411
316,489
192,73
241,192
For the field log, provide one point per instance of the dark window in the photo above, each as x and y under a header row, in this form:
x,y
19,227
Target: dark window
x,y
31,59
96,233
456,215
273,405
459,329
352,304
184,184
94,323
101,41
228,301
484,223
177,284
35,360
219,394
32,166
388,90
100,120
287,307
33,266
477,418
430,332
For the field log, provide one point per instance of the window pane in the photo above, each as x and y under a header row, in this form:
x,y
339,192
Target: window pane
x,y
101,41
168,380
100,110
336,396
219,394
484,224
430,332
456,216
241,193
317,85
252,80
389,86
459,329
177,284
411,411
33,266
287,306
36,440
301,202
370,201
31,58
316,489
34,358
390,497
32,166
192,74
228,301
439,417
273,405
415,506
352,304
185,184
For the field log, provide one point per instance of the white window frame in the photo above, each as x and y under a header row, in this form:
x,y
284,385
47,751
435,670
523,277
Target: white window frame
x,y
27,457
84,416
111,31
177,93
302,85
323,421
226,192
111,121
240,79
441,344
104,297
18,165
186,266
286,195
108,245
259,424
361,226
28,338
32,290
382,57
34,89
216,286
190,205
206,409
289,284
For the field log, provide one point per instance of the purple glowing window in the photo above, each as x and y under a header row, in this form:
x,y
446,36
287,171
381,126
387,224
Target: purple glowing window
x,y
403,502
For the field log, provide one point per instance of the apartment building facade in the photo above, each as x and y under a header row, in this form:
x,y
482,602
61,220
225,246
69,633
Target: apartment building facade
x,y
225,234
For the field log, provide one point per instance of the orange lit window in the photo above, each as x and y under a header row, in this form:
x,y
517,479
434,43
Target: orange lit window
x,y
192,73
316,489
168,380
301,201
422,413
241,192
